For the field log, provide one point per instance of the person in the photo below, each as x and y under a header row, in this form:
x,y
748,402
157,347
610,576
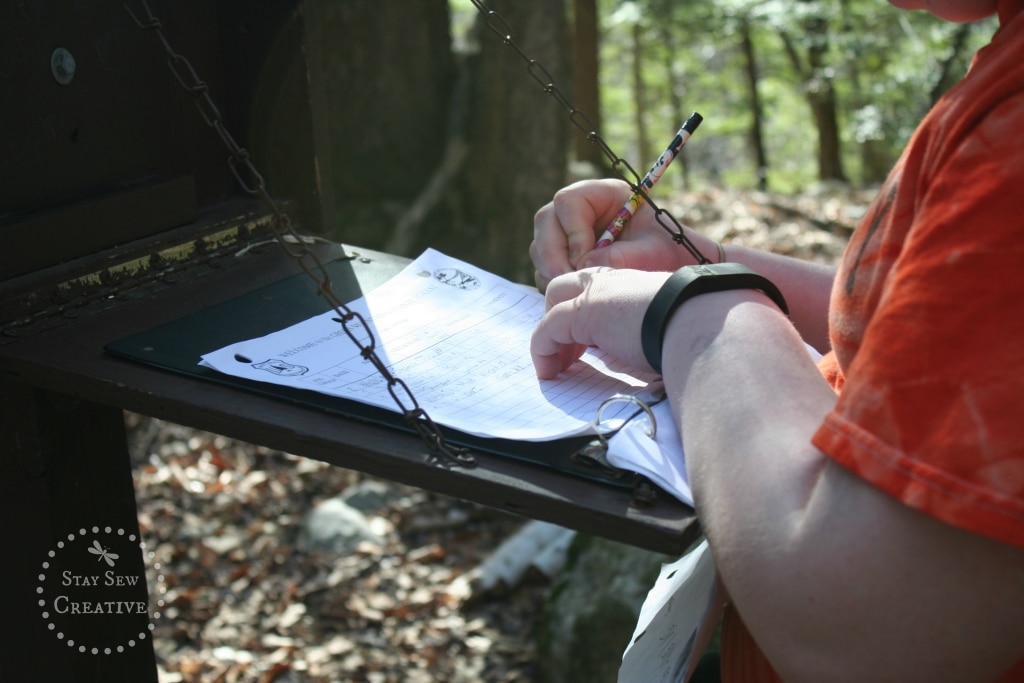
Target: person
x,y
865,513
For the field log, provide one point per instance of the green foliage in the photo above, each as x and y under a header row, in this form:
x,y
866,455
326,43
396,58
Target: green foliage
x,y
884,65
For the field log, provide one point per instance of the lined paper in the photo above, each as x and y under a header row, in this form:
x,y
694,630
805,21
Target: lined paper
x,y
459,337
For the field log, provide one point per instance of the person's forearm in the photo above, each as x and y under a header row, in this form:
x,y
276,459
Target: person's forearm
x,y
747,398
807,287
816,560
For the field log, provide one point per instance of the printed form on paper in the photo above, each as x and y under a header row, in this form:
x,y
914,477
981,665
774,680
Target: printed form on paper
x,y
459,337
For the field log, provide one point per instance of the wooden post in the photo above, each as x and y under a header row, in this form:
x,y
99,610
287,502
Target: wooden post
x,y
66,490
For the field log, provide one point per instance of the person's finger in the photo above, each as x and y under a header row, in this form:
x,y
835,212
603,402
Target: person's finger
x,y
552,346
549,250
563,288
566,227
584,211
541,281
650,251
606,257
571,285
559,339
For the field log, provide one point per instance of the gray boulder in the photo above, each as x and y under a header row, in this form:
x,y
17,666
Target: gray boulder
x,y
336,526
592,609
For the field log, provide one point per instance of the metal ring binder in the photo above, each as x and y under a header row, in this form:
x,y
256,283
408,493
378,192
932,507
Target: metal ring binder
x,y
652,432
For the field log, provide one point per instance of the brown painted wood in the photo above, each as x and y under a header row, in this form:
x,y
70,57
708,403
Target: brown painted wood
x,y
43,239
65,468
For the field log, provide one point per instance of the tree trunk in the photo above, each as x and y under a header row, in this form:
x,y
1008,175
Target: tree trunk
x,y
823,108
585,70
389,72
820,94
822,98
756,108
431,151
875,156
667,30
944,79
643,143
519,141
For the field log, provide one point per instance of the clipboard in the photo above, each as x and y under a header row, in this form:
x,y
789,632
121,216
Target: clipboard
x,y
177,346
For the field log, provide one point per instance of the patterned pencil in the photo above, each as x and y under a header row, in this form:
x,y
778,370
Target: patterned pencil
x,y
618,223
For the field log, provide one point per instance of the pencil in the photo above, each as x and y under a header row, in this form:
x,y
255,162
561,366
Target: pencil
x,y
618,223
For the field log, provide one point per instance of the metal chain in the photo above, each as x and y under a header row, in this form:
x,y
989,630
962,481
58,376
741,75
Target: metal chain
x,y
497,23
295,246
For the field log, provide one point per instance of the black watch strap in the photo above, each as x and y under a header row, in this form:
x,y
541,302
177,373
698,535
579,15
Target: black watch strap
x,y
688,282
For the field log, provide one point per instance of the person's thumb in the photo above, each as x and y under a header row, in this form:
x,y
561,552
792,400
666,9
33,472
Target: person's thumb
x,y
596,257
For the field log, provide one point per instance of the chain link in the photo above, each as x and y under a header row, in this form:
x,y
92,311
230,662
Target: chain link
x,y
295,246
539,73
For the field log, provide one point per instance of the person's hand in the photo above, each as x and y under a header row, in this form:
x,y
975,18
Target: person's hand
x,y
602,307
566,229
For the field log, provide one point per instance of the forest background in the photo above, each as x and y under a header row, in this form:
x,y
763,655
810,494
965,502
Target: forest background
x,y
443,137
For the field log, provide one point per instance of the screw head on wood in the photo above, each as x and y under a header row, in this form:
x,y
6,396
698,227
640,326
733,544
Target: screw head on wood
x,y
62,66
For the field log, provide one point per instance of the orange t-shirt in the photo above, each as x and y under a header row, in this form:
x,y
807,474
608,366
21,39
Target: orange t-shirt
x,y
927,321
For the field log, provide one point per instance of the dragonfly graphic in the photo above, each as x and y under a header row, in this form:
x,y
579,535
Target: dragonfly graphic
x,y
103,553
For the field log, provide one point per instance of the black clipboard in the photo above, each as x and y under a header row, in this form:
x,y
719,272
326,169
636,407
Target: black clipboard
x,y
177,346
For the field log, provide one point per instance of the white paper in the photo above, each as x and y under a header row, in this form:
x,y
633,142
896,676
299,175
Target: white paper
x,y
676,621
660,459
459,337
